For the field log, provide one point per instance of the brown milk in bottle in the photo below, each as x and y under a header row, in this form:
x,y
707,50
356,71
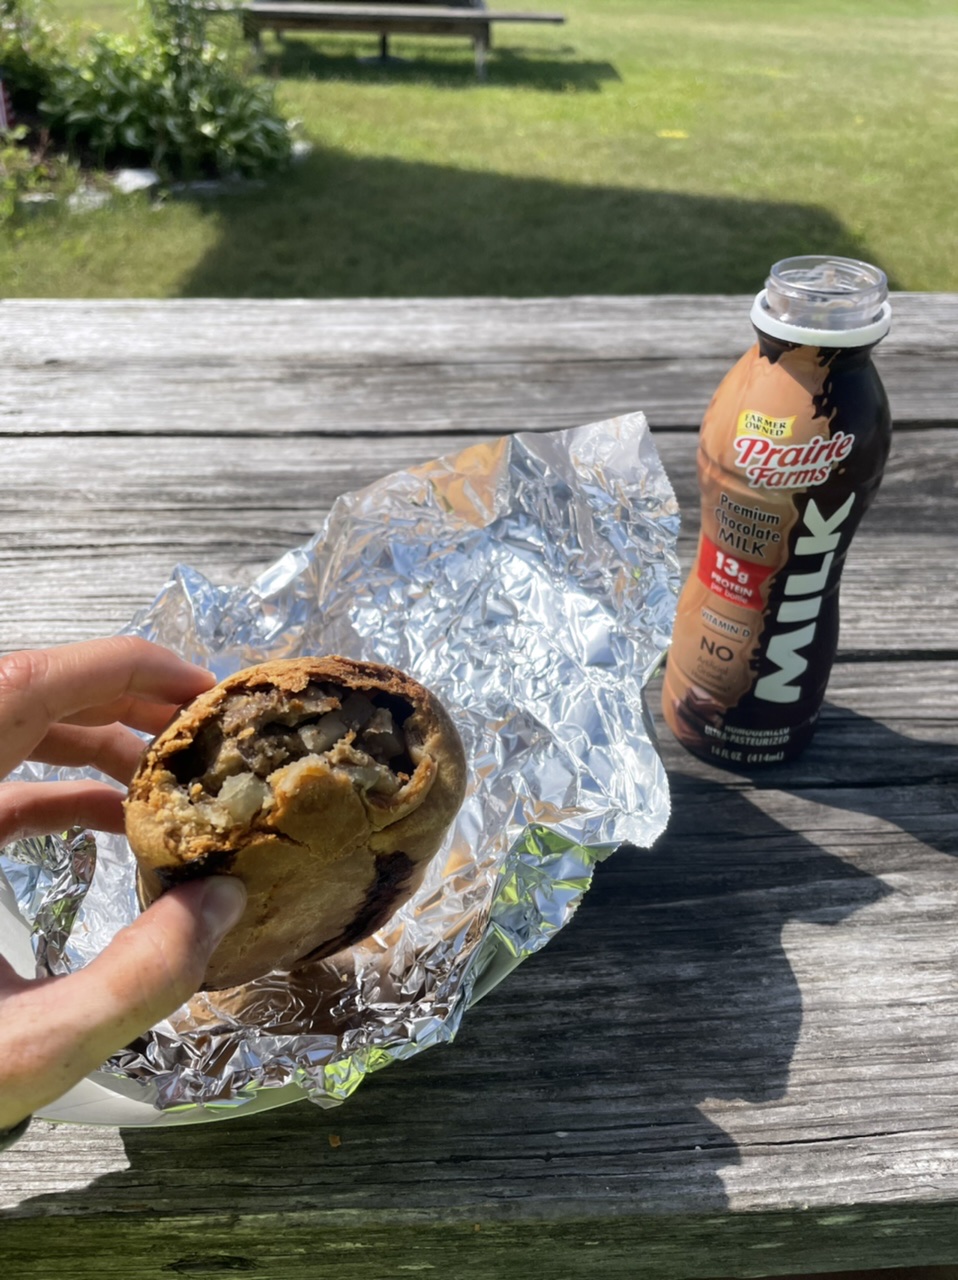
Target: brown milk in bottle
x,y
791,453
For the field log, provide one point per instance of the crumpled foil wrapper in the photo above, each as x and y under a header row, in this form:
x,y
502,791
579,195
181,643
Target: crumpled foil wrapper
x,y
530,581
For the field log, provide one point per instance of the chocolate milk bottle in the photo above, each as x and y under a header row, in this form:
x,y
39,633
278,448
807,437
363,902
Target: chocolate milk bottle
x,y
791,453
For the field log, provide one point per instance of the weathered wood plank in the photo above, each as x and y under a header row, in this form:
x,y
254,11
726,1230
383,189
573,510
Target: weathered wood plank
x,y
302,17
429,19
422,366
745,1040
295,1248
885,725
82,549
891,602
409,331
741,1055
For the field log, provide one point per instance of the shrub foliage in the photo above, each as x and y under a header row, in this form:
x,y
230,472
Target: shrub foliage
x,y
169,96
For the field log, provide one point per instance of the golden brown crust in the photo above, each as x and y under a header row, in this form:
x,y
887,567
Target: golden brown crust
x,y
325,861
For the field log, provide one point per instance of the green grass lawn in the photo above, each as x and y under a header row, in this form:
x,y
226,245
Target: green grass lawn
x,y
646,146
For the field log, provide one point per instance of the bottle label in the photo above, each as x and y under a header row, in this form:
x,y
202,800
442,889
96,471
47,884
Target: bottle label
x,y
795,620
790,466
788,460
754,423
734,580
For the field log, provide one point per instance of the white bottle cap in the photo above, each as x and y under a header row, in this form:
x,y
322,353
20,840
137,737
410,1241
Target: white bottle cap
x,y
819,301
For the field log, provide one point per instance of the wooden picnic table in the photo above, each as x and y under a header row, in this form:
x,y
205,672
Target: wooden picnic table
x,y
385,18
741,1056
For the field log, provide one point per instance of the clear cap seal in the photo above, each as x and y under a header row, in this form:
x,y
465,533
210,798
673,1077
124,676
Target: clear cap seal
x,y
822,301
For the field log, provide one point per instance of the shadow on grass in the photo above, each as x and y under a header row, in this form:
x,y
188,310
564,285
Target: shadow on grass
x,y
296,58
338,225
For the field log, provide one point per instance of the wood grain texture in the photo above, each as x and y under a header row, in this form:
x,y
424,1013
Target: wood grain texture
x,y
488,366
741,1056
80,554
296,1247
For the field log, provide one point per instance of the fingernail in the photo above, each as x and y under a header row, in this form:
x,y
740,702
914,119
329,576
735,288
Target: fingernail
x,y
224,900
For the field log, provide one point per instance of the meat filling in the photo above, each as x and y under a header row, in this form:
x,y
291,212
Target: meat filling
x,y
225,773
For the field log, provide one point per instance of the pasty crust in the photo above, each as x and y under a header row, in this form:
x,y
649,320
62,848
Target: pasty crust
x,y
330,855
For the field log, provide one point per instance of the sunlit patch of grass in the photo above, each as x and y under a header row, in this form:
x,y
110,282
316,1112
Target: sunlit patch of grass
x,y
654,147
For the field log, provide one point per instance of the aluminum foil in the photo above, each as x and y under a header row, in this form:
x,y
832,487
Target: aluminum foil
x,y
530,581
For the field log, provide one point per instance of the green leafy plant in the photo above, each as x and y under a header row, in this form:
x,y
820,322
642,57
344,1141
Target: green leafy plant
x,y
16,170
28,167
170,97
31,46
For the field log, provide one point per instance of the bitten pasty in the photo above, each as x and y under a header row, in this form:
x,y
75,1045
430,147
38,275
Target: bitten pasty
x,y
326,785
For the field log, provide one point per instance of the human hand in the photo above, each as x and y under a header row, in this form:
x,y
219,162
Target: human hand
x,y
76,705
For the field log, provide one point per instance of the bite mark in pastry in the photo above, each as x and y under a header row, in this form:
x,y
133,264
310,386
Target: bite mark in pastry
x,y
325,784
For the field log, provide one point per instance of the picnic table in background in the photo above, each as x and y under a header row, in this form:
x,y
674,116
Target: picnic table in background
x,y
384,18
741,1056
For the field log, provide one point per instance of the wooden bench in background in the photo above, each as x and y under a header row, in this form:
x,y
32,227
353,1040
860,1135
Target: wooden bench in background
x,y
387,17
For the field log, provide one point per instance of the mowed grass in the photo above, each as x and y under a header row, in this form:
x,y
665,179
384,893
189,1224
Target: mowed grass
x,y
661,146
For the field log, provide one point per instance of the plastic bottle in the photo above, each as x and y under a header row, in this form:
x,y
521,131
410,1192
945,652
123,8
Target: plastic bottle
x,y
791,453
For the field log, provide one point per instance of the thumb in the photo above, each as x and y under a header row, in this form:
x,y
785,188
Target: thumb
x,y
53,1032
155,964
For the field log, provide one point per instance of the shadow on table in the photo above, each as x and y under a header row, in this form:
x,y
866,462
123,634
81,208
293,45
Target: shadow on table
x,y
860,765
581,1078
338,225
694,988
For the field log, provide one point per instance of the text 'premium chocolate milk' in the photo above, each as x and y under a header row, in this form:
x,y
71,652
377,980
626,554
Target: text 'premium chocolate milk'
x,y
791,452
